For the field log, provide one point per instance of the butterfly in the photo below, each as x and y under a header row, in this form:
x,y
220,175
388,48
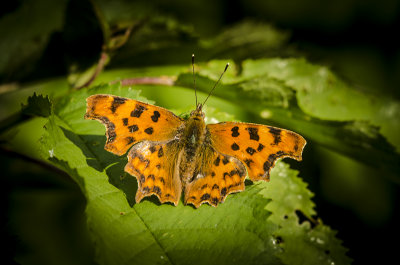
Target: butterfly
x,y
169,155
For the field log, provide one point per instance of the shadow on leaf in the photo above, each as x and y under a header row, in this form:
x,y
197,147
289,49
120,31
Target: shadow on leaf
x,y
97,157
122,180
71,171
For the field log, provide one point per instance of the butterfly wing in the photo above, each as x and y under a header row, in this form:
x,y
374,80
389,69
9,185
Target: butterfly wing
x,y
130,121
151,130
219,176
154,165
257,146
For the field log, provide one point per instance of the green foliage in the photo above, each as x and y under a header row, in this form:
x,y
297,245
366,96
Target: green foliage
x,y
268,223
148,233
271,212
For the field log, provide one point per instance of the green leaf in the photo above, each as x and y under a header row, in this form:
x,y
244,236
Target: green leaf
x,y
244,229
38,106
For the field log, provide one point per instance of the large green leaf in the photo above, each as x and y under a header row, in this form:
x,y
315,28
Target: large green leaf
x,y
250,227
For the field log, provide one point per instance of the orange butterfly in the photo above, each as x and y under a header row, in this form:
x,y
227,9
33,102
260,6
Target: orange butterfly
x,y
171,154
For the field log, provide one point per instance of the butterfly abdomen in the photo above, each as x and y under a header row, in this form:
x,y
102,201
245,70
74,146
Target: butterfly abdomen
x,y
192,143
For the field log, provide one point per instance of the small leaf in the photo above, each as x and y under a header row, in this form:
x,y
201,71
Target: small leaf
x,y
37,106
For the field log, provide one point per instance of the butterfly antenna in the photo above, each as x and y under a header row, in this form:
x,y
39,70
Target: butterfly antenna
x,y
216,83
194,79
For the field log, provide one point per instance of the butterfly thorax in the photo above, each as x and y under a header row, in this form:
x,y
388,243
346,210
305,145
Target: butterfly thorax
x,y
193,140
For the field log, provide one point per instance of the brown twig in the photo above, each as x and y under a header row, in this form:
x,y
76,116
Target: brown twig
x,y
163,80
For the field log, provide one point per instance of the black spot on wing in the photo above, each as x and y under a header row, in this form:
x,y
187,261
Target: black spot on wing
x,y
155,116
152,149
276,133
129,140
296,143
250,150
157,190
133,128
248,162
223,191
235,131
253,133
260,147
225,160
226,174
116,103
138,111
149,130
125,121
235,147
234,172
216,161
205,196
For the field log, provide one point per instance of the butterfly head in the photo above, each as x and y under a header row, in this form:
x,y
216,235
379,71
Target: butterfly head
x,y
198,113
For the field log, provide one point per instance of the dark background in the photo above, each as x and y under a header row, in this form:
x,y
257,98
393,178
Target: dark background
x,y
356,39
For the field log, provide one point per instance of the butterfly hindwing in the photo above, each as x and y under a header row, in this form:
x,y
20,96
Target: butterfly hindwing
x,y
130,121
257,146
220,175
154,166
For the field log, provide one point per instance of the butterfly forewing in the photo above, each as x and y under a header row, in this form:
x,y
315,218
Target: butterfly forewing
x,y
257,146
130,121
